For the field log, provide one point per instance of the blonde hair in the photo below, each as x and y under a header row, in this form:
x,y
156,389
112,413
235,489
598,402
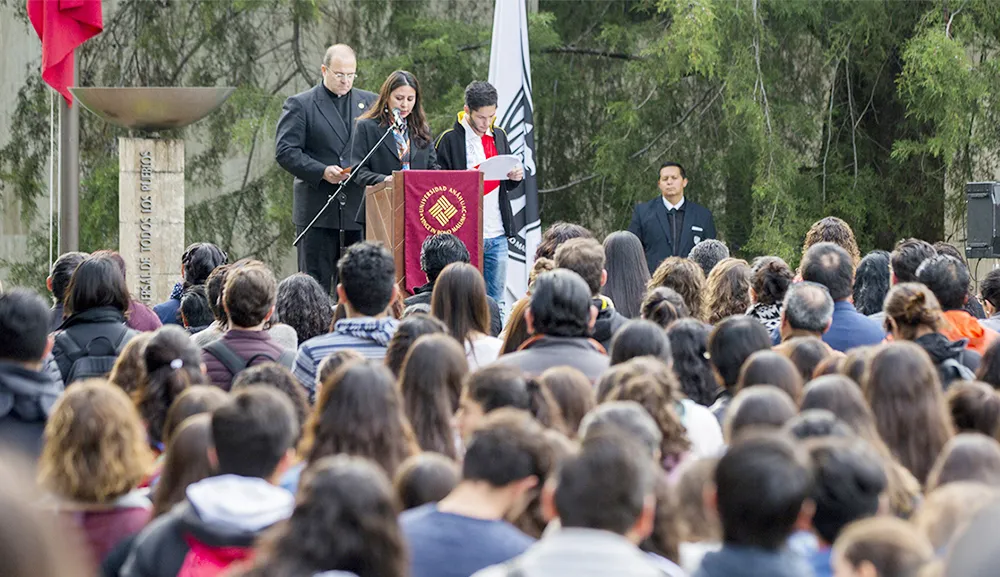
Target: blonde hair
x,y
685,277
130,367
728,290
95,444
894,547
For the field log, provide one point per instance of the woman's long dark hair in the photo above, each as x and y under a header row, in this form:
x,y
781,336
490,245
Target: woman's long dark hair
x,y
186,462
431,382
871,282
627,272
97,282
173,363
689,347
459,299
344,520
416,121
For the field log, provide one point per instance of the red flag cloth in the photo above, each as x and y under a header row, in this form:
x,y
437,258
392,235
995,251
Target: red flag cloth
x,y
439,201
63,25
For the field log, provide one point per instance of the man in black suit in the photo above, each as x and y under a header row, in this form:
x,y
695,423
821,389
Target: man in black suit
x,y
314,143
670,225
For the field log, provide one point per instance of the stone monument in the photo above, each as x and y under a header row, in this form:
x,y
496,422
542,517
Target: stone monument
x,y
151,177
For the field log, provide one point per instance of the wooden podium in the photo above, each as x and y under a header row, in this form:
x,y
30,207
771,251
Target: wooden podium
x,y
386,210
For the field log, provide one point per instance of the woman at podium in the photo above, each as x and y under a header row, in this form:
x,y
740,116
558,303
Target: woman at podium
x,y
408,146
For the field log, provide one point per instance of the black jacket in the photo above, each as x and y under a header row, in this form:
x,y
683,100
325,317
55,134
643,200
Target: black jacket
x,y
312,135
940,349
385,160
608,322
541,352
26,399
651,224
422,296
103,323
451,156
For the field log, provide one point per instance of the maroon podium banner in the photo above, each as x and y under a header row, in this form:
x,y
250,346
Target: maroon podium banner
x,y
439,202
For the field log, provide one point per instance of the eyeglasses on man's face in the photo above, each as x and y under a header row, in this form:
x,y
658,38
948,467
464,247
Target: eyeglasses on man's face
x,y
345,75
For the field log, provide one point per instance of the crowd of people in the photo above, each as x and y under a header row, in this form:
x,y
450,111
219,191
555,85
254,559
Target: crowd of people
x,y
716,418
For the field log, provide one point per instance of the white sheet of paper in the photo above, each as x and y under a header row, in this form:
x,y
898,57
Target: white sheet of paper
x,y
498,167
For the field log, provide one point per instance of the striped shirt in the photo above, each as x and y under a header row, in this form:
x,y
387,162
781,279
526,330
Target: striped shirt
x,y
368,336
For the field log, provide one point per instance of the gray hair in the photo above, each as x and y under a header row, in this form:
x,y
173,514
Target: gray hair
x,y
709,253
808,307
625,417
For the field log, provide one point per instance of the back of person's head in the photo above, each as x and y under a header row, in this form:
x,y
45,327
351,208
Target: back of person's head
x,y
842,397
497,386
194,307
61,271
479,94
709,253
344,523
607,485
560,305
333,361
833,230
195,400
431,383
199,260
186,461
817,423
806,353
947,511
732,342
253,432
808,307
904,391
542,265
871,282
628,418
781,479
585,257
249,295
907,257
95,447
770,277
214,285
663,306
130,366
302,304
276,376
173,363
367,276
727,290
409,330
828,264
697,522
439,251
508,446
689,348
948,278
771,368
555,235
974,407
762,407
640,338
425,478
685,277
459,300
359,412
989,288
628,273
967,457
24,326
883,546
848,479
96,282
910,307
517,327
572,391
856,362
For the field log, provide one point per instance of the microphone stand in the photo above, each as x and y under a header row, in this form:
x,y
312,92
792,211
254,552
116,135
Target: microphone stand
x,y
340,189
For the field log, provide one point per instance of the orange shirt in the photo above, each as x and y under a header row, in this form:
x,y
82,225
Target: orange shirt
x,y
962,325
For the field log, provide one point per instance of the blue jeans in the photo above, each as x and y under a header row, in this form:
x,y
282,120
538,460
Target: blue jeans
x,y
495,267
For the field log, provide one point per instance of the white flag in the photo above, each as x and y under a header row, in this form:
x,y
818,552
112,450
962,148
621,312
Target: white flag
x,y
510,73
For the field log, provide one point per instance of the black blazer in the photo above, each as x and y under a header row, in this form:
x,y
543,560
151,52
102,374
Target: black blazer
x,y
385,159
652,225
451,155
311,135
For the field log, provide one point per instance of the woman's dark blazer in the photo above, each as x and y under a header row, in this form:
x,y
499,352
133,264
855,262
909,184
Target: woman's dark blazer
x,y
385,159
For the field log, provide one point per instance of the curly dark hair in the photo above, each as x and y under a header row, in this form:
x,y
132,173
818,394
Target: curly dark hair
x,y
685,277
948,278
344,520
199,260
557,234
770,277
728,290
835,230
479,94
907,256
360,412
166,379
689,347
871,282
439,251
304,305
367,274
431,382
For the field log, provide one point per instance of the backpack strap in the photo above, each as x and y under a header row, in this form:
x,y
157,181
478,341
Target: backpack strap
x,y
69,346
229,359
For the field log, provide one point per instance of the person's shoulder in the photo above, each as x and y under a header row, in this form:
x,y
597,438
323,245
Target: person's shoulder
x,y
695,207
417,516
307,94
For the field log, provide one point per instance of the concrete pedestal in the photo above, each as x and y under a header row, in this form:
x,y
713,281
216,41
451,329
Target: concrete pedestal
x,y
151,215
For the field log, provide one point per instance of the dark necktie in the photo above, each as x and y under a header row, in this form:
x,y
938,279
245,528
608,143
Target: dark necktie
x,y
675,237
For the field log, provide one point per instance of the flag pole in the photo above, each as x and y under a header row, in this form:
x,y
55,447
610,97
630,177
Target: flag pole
x,y
69,172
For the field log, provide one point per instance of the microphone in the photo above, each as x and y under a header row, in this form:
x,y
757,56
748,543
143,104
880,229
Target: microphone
x,y
397,118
